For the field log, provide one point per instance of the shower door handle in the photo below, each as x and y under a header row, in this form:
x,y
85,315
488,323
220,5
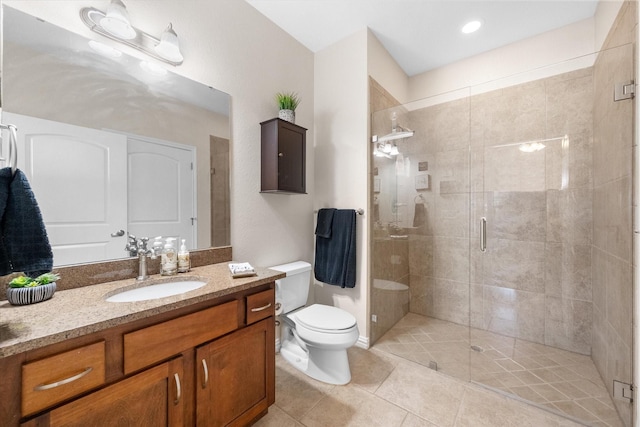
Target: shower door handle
x,y
483,234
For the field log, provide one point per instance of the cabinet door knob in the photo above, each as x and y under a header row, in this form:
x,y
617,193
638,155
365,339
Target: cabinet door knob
x,y
205,370
280,154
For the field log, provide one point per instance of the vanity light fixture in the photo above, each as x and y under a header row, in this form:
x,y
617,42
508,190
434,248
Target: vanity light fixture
x,y
116,21
471,26
114,24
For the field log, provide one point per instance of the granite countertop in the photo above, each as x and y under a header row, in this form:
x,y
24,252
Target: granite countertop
x,y
77,312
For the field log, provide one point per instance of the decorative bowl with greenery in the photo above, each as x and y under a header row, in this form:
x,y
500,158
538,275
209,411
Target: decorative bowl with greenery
x,y
287,102
25,290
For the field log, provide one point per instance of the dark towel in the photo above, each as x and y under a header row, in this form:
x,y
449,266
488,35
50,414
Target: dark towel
x,y
335,262
419,215
24,245
324,221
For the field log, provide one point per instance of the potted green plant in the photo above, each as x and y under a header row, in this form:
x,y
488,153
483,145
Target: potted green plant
x,y
287,102
24,290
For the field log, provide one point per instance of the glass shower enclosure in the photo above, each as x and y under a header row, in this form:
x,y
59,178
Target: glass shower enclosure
x,y
501,235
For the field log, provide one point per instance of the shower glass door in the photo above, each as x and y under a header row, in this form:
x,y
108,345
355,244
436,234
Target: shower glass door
x,y
550,292
502,236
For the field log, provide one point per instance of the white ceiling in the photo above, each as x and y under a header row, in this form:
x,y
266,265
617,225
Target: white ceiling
x,y
423,34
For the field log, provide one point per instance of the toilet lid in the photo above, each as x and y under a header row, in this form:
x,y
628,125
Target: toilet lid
x,y
325,317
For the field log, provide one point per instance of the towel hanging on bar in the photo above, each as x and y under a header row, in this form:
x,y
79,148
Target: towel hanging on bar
x,y
335,259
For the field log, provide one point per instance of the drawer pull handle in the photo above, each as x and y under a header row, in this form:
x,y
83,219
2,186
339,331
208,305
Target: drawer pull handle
x,y
43,387
264,307
205,369
178,389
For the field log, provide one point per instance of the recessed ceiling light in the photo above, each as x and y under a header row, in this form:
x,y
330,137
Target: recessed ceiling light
x,y
471,27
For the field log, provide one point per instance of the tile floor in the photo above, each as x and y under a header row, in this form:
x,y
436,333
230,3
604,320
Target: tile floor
x,y
390,385
561,380
389,391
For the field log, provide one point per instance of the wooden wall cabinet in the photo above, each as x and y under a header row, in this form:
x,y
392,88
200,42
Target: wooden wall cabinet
x,y
283,157
208,365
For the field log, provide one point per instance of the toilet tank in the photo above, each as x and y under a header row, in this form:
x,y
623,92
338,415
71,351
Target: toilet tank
x,y
293,290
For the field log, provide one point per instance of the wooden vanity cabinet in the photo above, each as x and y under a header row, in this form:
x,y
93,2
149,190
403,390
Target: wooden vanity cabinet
x,y
233,379
153,397
283,157
212,364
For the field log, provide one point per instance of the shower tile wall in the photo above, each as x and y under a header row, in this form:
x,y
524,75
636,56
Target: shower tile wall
x,y
439,251
534,280
611,254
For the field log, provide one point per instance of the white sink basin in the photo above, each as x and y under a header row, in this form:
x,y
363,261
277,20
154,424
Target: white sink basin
x,y
156,291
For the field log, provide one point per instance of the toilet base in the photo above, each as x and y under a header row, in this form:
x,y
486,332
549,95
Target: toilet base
x,y
329,366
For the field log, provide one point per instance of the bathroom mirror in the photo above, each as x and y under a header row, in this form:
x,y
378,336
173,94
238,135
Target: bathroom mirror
x,y
55,82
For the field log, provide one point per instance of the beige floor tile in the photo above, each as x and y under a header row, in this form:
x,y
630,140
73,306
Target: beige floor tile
x,y
415,421
277,418
423,392
549,392
296,393
570,390
527,377
509,365
352,406
370,368
528,370
511,380
546,374
527,393
598,408
593,390
481,408
573,409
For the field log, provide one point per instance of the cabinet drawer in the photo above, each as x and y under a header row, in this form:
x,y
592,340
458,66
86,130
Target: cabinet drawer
x,y
260,306
56,378
147,346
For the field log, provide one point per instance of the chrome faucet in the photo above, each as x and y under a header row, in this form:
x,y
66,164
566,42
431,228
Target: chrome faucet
x,y
138,246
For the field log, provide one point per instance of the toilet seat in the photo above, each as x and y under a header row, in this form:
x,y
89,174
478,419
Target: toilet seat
x,y
325,319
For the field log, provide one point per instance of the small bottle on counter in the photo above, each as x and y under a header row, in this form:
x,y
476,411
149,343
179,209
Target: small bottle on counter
x,y
169,260
184,260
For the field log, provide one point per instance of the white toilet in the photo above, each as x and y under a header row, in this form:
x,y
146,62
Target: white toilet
x,y
314,339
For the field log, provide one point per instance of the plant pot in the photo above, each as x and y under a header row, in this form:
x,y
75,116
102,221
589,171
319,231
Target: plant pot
x,y
25,296
288,115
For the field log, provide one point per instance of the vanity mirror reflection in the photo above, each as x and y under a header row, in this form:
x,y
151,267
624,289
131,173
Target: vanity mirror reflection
x,y
112,144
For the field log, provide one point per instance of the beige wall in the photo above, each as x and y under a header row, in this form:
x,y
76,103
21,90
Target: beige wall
x,y
229,45
341,157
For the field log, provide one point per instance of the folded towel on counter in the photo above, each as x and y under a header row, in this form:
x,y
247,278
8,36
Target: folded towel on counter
x,y
324,222
335,260
24,245
241,269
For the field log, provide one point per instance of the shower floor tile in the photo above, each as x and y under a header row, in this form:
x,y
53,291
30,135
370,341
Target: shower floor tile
x,y
565,382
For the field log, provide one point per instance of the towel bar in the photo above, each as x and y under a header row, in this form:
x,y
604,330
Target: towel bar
x,y
12,158
359,211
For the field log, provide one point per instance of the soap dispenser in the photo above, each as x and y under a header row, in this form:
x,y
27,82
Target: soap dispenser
x,y
169,260
184,261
